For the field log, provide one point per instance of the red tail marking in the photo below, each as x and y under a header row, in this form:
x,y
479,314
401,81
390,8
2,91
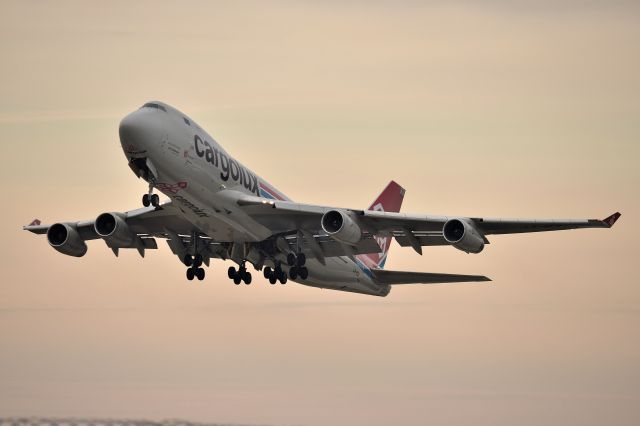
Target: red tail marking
x,y
389,200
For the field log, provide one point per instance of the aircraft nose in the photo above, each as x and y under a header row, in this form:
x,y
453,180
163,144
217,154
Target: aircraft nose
x,y
140,132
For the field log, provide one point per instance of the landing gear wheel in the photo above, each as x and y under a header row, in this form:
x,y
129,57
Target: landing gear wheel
x,y
246,277
301,259
283,278
155,200
237,279
187,260
197,260
267,272
291,259
304,273
231,273
293,272
273,279
146,201
190,274
200,274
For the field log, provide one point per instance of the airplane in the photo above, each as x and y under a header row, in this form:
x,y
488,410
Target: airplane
x,y
219,209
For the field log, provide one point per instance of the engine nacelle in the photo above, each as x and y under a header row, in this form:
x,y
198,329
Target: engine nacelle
x,y
339,225
65,238
112,228
463,235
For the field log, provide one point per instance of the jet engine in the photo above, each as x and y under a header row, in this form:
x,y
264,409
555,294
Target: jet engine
x,y
112,228
463,235
65,238
341,227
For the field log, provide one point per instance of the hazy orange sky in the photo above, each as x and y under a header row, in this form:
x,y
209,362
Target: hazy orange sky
x,y
498,108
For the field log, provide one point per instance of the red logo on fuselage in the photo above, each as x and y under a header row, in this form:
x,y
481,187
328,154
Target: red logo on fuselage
x,y
171,188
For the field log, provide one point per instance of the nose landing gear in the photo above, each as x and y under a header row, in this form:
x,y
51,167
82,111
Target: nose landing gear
x,y
150,200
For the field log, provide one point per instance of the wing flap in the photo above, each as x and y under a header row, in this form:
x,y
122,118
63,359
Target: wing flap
x,y
409,239
332,248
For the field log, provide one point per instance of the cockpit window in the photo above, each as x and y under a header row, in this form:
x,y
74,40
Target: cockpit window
x,y
156,106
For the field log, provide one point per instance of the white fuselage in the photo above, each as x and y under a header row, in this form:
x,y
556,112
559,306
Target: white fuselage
x,y
205,183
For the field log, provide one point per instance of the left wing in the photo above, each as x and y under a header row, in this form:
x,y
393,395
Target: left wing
x,y
139,228
150,221
132,229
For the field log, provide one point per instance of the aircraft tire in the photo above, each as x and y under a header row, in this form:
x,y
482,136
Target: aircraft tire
x,y
293,272
237,279
291,259
246,277
231,273
273,279
200,274
190,274
197,260
267,272
283,278
187,260
145,200
155,200
304,273
301,259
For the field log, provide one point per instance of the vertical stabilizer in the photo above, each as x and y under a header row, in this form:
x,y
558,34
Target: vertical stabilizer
x,y
389,200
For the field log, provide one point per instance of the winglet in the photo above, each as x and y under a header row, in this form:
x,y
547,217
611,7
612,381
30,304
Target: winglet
x,y
36,227
611,220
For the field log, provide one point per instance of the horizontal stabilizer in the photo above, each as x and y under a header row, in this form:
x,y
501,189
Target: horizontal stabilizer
x,y
383,276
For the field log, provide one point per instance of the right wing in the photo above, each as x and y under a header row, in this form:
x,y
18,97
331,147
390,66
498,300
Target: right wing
x,y
414,230
384,276
286,215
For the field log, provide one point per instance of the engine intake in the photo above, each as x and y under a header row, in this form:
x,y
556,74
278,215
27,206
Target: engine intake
x,y
112,228
463,235
65,238
341,227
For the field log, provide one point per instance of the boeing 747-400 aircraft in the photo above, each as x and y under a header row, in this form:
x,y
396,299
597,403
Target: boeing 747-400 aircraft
x,y
219,208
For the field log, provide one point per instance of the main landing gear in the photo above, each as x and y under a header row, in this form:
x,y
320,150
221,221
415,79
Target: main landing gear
x,y
194,263
240,275
297,268
276,274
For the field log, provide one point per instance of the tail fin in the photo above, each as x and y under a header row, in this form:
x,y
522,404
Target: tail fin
x,y
389,200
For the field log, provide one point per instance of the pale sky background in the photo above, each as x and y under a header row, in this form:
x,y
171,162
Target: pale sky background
x,y
499,108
